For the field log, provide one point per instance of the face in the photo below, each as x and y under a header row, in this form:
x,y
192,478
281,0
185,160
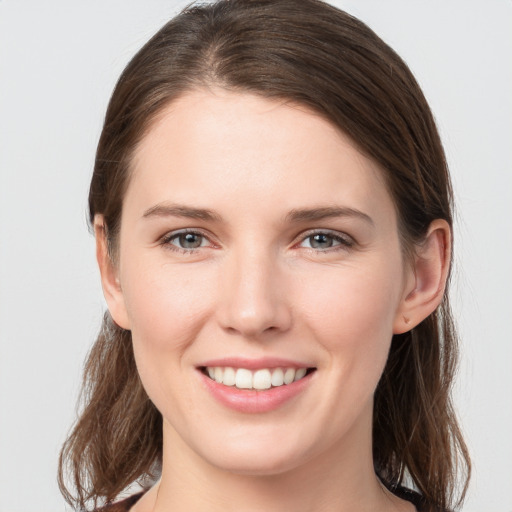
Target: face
x,y
261,275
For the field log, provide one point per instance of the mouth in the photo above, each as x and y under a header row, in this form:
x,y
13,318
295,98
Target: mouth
x,y
259,379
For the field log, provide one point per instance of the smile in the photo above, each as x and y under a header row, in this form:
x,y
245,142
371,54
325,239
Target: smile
x,y
260,379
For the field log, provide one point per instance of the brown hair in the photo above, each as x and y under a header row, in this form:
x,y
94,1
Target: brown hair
x,y
310,53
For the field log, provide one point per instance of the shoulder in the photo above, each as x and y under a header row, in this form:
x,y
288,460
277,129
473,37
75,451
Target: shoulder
x,y
121,506
416,499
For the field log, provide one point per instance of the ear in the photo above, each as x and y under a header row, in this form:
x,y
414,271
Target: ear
x,y
109,271
426,278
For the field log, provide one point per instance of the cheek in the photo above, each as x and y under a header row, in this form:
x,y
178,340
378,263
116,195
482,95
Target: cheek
x,y
352,311
167,307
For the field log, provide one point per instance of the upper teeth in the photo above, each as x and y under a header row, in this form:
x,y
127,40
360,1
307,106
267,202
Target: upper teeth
x,y
259,379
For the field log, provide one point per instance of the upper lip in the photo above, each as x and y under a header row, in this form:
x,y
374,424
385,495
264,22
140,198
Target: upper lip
x,y
255,364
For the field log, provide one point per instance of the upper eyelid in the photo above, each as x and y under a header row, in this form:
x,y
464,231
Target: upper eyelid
x,y
172,235
198,231
315,231
331,232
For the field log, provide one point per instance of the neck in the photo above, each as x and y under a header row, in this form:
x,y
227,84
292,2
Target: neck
x,y
342,480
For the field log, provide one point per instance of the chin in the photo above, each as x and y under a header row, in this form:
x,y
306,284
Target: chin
x,y
262,465
258,457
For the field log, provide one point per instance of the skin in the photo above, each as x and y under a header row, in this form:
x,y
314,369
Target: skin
x,y
257,287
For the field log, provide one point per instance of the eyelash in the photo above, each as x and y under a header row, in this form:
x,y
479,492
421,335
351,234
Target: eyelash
x,y
344,241
166,240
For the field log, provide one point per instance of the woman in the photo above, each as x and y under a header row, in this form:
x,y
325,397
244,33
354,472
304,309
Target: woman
x,y
272,211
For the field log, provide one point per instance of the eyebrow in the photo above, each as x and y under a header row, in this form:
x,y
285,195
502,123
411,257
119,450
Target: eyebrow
x,y
293,216
177,210
327,212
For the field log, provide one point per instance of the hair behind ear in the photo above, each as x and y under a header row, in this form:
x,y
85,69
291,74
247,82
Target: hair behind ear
x,y
118,438
415,430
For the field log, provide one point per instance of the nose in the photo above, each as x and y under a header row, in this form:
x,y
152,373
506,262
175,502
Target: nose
x,y
253,301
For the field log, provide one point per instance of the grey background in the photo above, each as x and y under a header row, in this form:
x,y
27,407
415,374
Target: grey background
x,y
59,61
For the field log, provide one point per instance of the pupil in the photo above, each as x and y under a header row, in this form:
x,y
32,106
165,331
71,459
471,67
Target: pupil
x,y
321,241
190,240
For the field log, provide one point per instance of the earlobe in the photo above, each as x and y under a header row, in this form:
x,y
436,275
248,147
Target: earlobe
x,y
110,283
426,282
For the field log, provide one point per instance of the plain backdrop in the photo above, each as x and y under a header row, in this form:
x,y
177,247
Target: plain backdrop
x,y
59,61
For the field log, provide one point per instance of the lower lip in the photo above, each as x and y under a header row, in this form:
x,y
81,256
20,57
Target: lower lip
x,y
252,401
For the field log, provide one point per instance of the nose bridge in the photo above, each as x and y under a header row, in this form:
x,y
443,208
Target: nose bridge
x,y
253,293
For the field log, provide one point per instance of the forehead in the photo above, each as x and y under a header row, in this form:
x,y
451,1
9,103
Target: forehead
x,y
216,145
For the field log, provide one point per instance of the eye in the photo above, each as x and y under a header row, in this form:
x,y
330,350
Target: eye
x,y
322,240
185,241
